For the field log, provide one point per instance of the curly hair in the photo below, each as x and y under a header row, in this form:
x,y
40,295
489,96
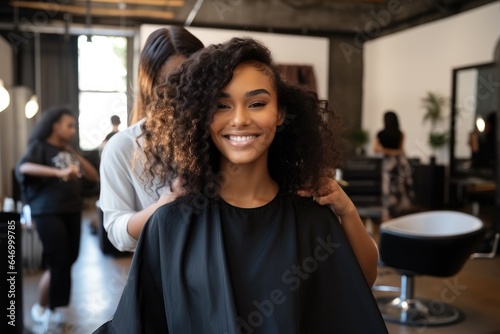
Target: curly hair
x,y
177,140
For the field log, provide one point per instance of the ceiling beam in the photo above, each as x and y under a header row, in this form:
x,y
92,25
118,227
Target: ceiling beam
x,y
362,1
82,10
74,29
160,3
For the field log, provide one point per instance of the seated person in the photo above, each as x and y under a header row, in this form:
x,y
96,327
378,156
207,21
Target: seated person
x,y
240,252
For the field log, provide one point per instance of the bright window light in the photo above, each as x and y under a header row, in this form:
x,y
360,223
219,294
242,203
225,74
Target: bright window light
x,y
102,80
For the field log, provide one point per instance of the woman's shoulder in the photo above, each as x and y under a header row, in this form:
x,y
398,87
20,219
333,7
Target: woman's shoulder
x,y
313,220
122,146
38,145
124,140
38,150
182,210
308,210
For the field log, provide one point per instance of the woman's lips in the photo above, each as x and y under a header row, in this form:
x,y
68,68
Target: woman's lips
x,y
240,140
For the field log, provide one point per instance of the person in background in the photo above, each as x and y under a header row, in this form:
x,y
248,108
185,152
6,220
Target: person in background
x,y
124,199
483,144
50,173
115,123
240,251
397,182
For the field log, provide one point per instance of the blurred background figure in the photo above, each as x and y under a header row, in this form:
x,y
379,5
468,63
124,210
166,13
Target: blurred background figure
x,y
115,122
124,200
50,173
482,144
397,183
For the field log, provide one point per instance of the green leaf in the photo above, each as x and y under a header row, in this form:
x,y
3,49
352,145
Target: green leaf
x,y
358,137
437,139
434,104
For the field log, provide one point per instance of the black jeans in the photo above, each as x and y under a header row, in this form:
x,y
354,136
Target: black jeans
x,y
60,236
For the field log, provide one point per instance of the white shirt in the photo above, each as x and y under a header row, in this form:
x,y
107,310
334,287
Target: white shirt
x,y
123,192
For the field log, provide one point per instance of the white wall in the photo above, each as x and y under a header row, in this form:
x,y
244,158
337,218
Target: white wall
x,y
286,49
14,127
14,131
466,93
400,68
6,74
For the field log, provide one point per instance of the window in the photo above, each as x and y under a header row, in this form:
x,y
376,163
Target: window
x,y
102,81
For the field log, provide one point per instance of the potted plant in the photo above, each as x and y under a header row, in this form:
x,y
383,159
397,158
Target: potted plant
x,y
359,138
434,104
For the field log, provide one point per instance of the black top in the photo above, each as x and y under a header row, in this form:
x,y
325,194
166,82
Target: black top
x,y
390,139
47,195
200,267
485,155
253,241
109,135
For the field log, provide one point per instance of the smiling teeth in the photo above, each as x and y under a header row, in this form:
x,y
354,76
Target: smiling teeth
x,y
242,138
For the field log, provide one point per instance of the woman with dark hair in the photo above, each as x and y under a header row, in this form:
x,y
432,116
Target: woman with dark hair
x,y
165,49
397,181
124,199
50,174
240,252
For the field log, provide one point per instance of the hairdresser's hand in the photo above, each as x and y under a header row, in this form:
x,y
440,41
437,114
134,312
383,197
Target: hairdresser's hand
x,y
177,191
72,172
330,193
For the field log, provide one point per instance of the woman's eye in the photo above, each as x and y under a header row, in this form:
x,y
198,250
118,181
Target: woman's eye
x,y
257,104
222,106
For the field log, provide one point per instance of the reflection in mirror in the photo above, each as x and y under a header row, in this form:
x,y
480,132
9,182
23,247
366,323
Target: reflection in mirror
x,y
475,100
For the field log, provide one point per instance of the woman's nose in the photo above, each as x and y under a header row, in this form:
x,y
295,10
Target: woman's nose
x,y
240,117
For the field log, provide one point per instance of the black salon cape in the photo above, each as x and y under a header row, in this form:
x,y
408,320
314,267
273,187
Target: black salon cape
x,y
179,282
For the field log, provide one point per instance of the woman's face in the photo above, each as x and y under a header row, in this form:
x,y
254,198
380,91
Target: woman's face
x,y
169,66
65,128
247,116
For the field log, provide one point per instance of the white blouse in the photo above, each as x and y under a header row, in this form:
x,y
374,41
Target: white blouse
x,y
123,192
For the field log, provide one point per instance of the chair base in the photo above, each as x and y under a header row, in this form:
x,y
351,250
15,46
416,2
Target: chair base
x,y
418,312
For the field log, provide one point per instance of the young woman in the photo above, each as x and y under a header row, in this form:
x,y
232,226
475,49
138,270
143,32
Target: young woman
x,y
239,252
50,174
397,182
124,199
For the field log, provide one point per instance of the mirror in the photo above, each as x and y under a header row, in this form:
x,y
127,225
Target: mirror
x,y
474,108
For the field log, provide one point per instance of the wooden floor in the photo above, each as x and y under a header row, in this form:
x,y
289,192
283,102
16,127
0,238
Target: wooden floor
x,y
98,281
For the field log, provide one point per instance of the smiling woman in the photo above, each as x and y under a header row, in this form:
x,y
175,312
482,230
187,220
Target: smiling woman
x,y
240,252
246,119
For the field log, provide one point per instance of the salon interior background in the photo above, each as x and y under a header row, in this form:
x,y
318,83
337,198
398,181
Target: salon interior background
x,y
370,56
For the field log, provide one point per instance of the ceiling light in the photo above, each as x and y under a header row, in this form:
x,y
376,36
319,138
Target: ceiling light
x,y
31,107
480,124
4,97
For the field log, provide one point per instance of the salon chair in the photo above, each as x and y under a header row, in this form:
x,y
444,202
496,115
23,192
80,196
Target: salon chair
x,y
363,185
434,243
